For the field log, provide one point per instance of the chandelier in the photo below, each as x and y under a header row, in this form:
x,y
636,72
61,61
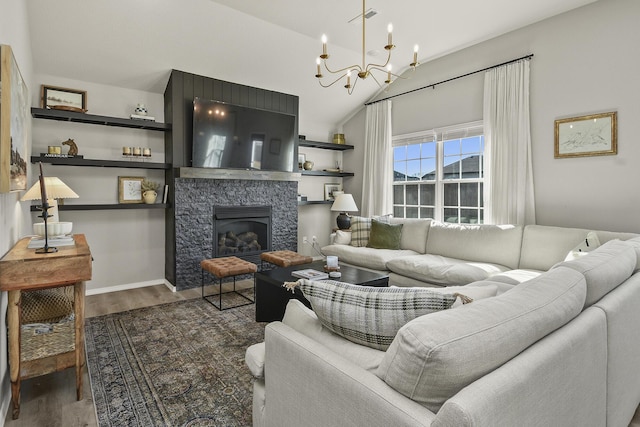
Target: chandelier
x,y
364,70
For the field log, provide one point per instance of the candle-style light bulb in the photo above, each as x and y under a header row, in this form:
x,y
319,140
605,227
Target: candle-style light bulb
x,y
319,74
390,36
348,85
415,56
324,46
388,74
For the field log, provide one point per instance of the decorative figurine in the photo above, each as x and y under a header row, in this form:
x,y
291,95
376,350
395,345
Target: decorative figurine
x,y
73,148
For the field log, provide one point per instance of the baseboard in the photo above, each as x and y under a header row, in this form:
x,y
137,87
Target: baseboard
x,y
128,286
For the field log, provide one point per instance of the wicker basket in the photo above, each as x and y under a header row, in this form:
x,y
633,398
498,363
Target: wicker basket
x,y
41,340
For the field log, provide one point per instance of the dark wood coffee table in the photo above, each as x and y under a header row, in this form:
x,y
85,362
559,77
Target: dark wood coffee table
x,y
272,298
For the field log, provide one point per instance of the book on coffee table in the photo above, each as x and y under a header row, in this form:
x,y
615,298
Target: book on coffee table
x,y
310,274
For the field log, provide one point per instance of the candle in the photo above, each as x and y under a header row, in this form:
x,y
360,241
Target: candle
x,y
51,149
415,55
388,74
318,65
390,29
137,151
324,46
146,152
348,79
126,151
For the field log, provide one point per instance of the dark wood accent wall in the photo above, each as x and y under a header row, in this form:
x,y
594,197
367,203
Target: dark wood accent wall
x,y
181,89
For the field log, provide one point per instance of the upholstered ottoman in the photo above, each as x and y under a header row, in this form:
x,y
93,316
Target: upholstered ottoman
x,y
285,258
225,267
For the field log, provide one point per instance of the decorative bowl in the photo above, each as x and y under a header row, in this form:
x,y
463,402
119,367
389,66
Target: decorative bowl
x,y
53,228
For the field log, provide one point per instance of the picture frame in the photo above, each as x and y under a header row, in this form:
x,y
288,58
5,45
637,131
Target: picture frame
x,y
590,135
329,189
130,189
14,116
61,98
301,159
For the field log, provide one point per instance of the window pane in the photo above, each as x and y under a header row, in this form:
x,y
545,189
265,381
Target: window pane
x,y
426,213
413,151
398,194
429,169
451,147
471,145
471,167
400,153
412,195
412,212
398,211
450,195
469,216
481,195
400,171
469,194
429,149
451,168
451,215
413,170
427,194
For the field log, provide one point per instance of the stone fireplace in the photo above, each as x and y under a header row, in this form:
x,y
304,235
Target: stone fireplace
x,y
203,205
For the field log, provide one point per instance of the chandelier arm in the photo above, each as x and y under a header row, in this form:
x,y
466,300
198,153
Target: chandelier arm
x,y
379,66
333,82
350,67
353,86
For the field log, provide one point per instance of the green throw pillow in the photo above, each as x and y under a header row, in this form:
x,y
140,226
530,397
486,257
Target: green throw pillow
x,y
384,236
367,315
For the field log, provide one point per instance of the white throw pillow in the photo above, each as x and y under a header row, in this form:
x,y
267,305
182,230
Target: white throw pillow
x,y
342,237
590,243
366,315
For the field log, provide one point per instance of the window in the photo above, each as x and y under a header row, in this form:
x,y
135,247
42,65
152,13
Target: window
x,y
439,174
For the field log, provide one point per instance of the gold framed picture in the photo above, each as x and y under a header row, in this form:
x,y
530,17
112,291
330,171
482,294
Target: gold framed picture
x,y
61,98
130,189
592,135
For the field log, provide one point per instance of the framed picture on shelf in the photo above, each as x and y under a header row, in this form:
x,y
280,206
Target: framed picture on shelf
x,y
301,159
329,189
130,189
14,115
592,135
60,98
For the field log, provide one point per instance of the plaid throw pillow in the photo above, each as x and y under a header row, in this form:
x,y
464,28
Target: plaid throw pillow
x,y
368,315
361,229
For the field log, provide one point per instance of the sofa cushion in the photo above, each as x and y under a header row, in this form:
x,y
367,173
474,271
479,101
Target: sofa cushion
x,y
414,233
443,270
343,237
517,276
254,358
384,236
375,259
361,228
544,246
305,321
366,315
605,268
433,357
496,244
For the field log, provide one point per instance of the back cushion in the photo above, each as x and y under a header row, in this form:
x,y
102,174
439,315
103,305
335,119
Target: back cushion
x,y
414,233
605,268
435,356
543,246
498,244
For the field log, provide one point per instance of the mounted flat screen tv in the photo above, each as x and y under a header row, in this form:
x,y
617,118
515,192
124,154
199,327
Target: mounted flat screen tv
x,y
234,137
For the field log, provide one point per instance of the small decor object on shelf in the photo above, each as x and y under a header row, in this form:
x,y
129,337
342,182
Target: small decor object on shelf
x,y
338,138
310,274
141,113
130,189
307,165
59,98
301,159
329,189
149,191
73,147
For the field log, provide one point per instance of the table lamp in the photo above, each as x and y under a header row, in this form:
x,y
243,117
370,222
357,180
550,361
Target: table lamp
x,y
49,189
344,203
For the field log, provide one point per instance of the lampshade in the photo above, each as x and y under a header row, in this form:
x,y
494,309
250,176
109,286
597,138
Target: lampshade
x,y
56,189
344,203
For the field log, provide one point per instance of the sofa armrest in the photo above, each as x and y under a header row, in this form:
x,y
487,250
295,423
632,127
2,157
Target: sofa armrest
x,y
308,384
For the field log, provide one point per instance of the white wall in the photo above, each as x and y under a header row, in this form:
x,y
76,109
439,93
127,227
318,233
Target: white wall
x,y
14,216
585,62
127,245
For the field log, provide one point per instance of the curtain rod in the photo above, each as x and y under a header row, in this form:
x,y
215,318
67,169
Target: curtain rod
x,y
433,85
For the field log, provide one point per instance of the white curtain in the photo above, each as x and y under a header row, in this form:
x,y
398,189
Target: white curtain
x,y
377,178
508,171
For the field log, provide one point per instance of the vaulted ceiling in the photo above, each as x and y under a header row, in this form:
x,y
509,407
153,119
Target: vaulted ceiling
x,y
270,44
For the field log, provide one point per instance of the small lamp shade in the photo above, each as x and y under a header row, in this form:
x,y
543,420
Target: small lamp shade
x,y
55,189
344,203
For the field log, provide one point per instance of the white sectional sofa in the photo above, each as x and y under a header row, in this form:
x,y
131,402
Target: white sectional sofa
x,y
560,348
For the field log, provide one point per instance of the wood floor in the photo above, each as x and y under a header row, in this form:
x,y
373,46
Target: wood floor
x,y
50,400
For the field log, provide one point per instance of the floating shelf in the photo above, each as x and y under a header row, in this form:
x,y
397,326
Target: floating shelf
x,y
325,173
324,145
98,207
315,202
71,116
74,161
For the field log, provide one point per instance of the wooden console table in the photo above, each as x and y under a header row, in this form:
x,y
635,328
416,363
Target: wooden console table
x,y
22,269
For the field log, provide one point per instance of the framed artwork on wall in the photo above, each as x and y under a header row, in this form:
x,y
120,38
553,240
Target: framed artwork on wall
x,y
130,189
14,113
329,189
60,98
592,135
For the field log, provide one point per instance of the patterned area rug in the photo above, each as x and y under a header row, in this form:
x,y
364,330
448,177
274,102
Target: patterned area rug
x,y
177,364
